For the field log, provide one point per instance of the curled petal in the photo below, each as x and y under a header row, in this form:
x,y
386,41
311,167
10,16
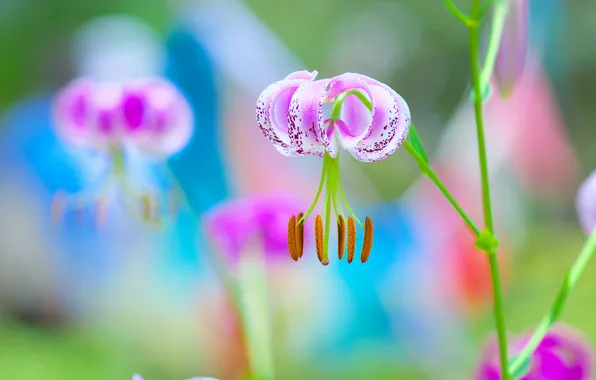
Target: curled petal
x,y
390,125
157,117
273,108
106,113
72,111
303,74
355,117
305,119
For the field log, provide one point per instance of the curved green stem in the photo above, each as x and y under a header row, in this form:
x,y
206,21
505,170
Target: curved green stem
x,y
496,32
459,14
430,173
486,198
339,101
571,278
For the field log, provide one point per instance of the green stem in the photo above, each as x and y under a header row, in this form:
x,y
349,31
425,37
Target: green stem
x,y
430,173
253,302
339,101
496,32
486,199
459,14
571,278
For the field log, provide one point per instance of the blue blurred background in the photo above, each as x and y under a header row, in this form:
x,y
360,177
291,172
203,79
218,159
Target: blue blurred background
x,y
81,302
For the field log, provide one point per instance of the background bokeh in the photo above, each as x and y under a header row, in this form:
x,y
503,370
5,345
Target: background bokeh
x,y
77,303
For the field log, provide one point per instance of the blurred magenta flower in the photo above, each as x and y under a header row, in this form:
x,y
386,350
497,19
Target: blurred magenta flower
x,y
562,355
366,118
138,377
511,59
233,226
586,204
149,114
147,118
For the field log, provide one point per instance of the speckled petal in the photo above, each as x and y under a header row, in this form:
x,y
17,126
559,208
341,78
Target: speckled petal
x,y
305,119
356,119
273,107
391,122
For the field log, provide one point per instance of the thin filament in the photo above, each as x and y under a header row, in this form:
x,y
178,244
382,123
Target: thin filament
x,y
300,237
321,182
343,195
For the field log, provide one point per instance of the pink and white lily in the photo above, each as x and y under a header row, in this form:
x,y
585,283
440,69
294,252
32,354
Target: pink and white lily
x,y
302,116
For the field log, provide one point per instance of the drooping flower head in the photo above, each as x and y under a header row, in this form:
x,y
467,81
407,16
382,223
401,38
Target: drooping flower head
x,y
511,59
586,204
234,225
561,355
149,116
367,118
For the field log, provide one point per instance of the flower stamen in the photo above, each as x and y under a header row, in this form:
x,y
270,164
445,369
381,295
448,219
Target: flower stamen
x,y
351,239
368,239
341,236
319,240
292,243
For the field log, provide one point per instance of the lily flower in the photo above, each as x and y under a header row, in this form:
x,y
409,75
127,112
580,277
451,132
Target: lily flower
x,y
367,118
149,117
561,355
233,225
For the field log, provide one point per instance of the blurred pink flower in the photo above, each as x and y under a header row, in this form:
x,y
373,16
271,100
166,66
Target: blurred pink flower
x,y
149,114
586,204
511,59
234,225
562,355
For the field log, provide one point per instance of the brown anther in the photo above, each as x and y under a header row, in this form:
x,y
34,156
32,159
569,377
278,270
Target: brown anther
x,y
351,239
320,245
341,236
292,239
300,235
368,240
